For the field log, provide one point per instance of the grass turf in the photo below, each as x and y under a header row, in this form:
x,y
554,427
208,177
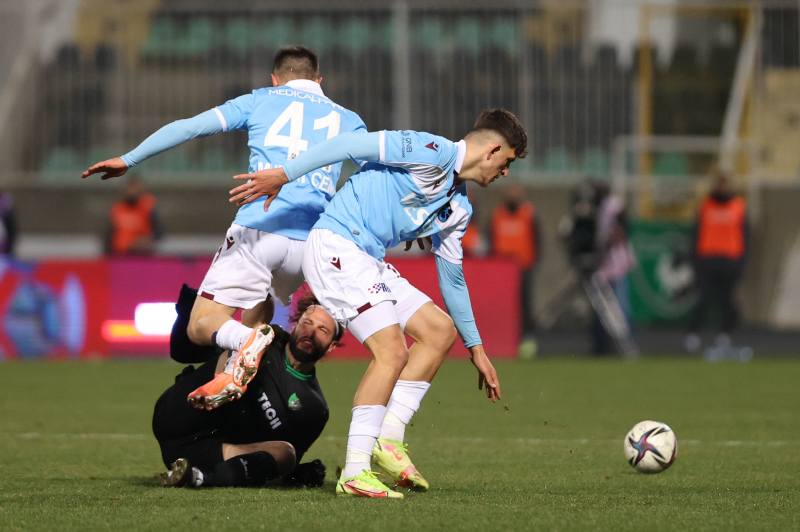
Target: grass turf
x,y
77,452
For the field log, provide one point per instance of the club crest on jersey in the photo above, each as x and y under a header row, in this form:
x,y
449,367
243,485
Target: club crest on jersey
x,y
433,146
444,213
377,288
294,402
337,263
230,241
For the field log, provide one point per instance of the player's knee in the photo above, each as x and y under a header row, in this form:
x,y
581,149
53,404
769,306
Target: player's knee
x,y
285,456
442,333
193,331
397,357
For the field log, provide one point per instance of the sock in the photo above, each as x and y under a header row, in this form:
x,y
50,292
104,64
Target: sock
x,y
364,430
404,403
252,469
229,364
232,335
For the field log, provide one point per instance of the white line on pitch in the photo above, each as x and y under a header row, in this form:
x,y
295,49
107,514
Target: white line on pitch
x,y
525,441
82,436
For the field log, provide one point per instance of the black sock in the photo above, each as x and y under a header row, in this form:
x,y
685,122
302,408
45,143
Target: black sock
x,y
252,469
181,348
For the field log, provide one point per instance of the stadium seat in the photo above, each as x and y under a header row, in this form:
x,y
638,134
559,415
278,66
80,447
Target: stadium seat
x,y
213,160
504,34
559,160
670,164
160,36
318,34
199,37
595,162
469,35
237,35
429,35
355,34
175,160
62,164
272,33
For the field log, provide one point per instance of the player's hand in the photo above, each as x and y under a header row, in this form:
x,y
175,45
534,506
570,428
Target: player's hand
x,y
310,474
262,183
420,243
112,168
486,373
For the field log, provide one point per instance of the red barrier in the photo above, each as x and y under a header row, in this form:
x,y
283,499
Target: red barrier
x,y
70,309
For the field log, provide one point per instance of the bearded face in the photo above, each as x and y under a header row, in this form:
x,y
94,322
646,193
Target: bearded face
x,y
306,347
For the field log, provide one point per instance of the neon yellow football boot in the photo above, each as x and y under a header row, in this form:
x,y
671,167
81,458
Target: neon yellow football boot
x,y
365,485
392,456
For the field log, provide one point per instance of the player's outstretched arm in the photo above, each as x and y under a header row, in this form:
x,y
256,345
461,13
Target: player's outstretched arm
x,y
486,373
169,136
110,168
361,146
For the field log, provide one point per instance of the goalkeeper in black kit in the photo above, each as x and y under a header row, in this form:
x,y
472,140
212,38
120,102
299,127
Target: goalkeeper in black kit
x,y
261,437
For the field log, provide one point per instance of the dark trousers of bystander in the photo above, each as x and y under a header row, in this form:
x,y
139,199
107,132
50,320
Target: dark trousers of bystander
x,y
527,313
715,282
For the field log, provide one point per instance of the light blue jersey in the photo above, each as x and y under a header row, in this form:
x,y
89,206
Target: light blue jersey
x,y
281,122
410,189
411,192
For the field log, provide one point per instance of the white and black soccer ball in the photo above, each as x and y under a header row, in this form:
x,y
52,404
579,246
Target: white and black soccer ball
x,y
650,447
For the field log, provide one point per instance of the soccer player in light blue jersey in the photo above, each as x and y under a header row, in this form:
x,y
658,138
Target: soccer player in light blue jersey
x,y
261,257
413,186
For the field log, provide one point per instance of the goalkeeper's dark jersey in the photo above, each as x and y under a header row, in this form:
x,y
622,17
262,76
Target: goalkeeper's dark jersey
x,y
280,404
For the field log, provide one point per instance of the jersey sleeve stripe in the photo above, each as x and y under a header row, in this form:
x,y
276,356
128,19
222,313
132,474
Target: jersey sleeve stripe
x,y
221,119
382,144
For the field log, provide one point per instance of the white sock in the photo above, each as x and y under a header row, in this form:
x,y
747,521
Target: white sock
x,y
404,403
229,364
232,335
364,430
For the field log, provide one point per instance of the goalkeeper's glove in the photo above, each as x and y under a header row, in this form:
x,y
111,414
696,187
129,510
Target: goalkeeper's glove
x,y
310,474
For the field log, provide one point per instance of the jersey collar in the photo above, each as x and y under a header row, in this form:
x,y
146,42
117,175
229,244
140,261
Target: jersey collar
x,y
306,85
462,152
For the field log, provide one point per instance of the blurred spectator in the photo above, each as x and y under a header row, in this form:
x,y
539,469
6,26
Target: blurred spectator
x,y
515,233
134,225
720,252
616,259
8,224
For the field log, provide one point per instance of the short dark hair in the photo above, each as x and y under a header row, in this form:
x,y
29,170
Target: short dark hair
x,y
307,300
507,125
295,62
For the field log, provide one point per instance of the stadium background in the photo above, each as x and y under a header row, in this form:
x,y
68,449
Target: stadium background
x,y
650,96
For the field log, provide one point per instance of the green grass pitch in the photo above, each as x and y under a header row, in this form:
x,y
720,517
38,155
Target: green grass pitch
x,y
76,451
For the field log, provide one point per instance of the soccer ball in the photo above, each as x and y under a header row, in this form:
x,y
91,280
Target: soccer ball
x,y
650,447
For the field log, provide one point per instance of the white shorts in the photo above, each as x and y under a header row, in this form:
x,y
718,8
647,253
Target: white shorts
x,y
252,264
347,282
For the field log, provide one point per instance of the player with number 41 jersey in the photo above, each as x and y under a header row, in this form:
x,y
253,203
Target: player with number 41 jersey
x,y
261,257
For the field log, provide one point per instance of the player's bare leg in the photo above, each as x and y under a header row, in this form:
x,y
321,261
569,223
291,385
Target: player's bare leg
x,y
261,313
388,347
434,335
212,323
